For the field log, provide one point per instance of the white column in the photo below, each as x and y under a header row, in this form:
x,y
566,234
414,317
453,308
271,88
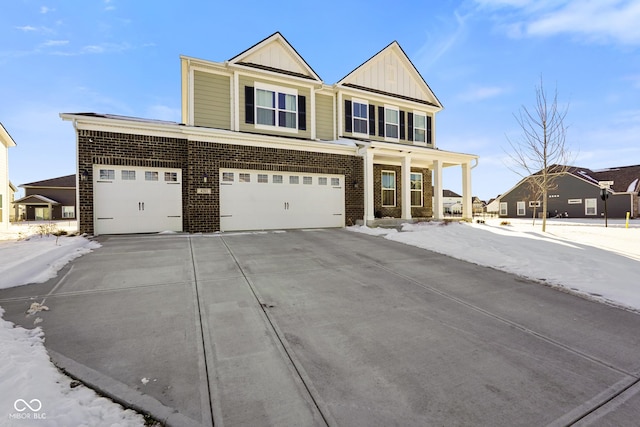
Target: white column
x,y
467,205
406,187
437,190
368,187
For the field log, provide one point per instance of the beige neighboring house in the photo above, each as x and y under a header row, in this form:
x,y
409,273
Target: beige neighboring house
x,y
6,191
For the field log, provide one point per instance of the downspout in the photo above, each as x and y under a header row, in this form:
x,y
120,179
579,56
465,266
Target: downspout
x,y
74,122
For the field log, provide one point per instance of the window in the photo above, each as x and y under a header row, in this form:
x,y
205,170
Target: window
x,y
322,181
294,179
416,189
277,179
521,209
107,174
503,208
171,176
590,206
391,123
419,127
150,176
360,117
227,176
68,212
335,182
128,175
263,178
388,188
534,204
244,177
574,201
307,180
276,106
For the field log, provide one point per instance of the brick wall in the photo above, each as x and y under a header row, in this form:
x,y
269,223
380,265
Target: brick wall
x,y
426,211
201,212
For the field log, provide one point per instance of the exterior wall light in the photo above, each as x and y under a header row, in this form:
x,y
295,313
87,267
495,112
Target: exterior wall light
x,y
205,177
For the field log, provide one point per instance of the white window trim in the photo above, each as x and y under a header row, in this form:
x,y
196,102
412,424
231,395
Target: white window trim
x,y
420,191
535,204
521,205
382,189
595,207
574,201
73,211
276,89
353,117
423,114
505,211
397,110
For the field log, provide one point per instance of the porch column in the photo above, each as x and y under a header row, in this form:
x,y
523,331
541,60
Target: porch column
x,y
368,187
467,205
406,187
437,190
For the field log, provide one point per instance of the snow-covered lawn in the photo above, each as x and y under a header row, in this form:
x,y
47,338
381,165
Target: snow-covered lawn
x,y
32,390
580,255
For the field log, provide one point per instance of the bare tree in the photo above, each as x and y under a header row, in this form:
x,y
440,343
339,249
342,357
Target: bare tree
x,y
541,155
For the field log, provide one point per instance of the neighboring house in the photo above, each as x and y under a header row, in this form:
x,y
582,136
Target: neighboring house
x,y
6,192
264,143
577,194
493,205
478,205
50,199
13,215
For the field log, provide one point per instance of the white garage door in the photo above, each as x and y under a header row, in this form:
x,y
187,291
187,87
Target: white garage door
x,y
265,200
136,199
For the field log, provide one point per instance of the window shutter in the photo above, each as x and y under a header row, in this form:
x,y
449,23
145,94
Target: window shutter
x,y
348,116
372,119
402,125
302,112
429,141
381,121
248,104
410,125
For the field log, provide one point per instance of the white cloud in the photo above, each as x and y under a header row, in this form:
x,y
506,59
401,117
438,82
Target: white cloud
x,y
26,28
50,43
481,93
432,49
45,9
600,21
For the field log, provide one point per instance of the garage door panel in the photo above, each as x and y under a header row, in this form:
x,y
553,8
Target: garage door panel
x,y
263,200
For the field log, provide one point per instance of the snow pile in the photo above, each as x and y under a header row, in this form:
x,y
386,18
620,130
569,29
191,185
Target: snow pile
x,y
585,257
34,392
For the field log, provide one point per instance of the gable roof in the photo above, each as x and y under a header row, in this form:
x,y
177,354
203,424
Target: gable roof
x,y
36,199
63,181
276,54
390,72
626,179
5,138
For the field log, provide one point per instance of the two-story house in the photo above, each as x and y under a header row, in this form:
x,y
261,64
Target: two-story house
x,y
6,189
264,143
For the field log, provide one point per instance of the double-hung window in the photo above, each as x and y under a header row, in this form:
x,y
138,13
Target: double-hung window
x,y
416,189
503,208
68,212
419,127
391,123
590,206
521,208
388,188
277,107
360,117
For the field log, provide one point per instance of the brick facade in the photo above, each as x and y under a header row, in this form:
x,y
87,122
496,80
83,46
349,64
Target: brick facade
x,y
426,211
201,212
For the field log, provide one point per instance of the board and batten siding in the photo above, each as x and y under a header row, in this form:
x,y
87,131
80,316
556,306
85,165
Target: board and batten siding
x,y
211,100
324,117
244,81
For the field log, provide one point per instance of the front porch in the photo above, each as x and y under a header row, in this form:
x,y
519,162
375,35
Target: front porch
x,y
398,181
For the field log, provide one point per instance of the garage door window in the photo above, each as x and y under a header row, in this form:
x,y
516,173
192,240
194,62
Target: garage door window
x,y
293,179
335,182
263,178
107,174
128,175
171,176
244,177
322,181
227,176
307,180
150,176
277,179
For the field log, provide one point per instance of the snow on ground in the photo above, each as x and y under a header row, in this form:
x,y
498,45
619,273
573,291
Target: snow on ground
x,y
580,255
32,390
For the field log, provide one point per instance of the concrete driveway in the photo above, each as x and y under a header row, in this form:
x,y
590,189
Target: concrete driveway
x,y
331,327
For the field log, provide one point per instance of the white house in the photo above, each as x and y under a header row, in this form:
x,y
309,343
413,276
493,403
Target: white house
x,y
5,186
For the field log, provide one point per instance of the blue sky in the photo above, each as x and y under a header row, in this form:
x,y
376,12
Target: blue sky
x,y
482,58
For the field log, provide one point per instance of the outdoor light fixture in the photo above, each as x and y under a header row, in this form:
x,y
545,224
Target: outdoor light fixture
x,y
84,175
355,184
205,177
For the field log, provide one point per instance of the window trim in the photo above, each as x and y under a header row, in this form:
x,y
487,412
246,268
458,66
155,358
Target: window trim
x,y
415,128
387,123
595,206
383,189
73,211
535,203
355,101
505,211
276,90
413,190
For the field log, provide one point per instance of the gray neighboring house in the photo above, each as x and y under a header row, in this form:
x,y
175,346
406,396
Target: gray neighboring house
x,y
577,194
50,199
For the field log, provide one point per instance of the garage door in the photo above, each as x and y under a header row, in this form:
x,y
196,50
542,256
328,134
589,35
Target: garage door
x,y
136,200
264,200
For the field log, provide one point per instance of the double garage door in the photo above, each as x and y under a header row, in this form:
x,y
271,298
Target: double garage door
x,y
267,200
136,199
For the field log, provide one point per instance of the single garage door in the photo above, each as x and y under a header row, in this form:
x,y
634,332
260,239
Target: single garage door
x,y
265,200
136,199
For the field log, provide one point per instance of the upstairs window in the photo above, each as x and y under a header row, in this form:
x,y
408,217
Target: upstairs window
x,y
391,123
360,117
419,127
269,106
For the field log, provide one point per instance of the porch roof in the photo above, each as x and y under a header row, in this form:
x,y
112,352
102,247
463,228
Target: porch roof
x,y
36,199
